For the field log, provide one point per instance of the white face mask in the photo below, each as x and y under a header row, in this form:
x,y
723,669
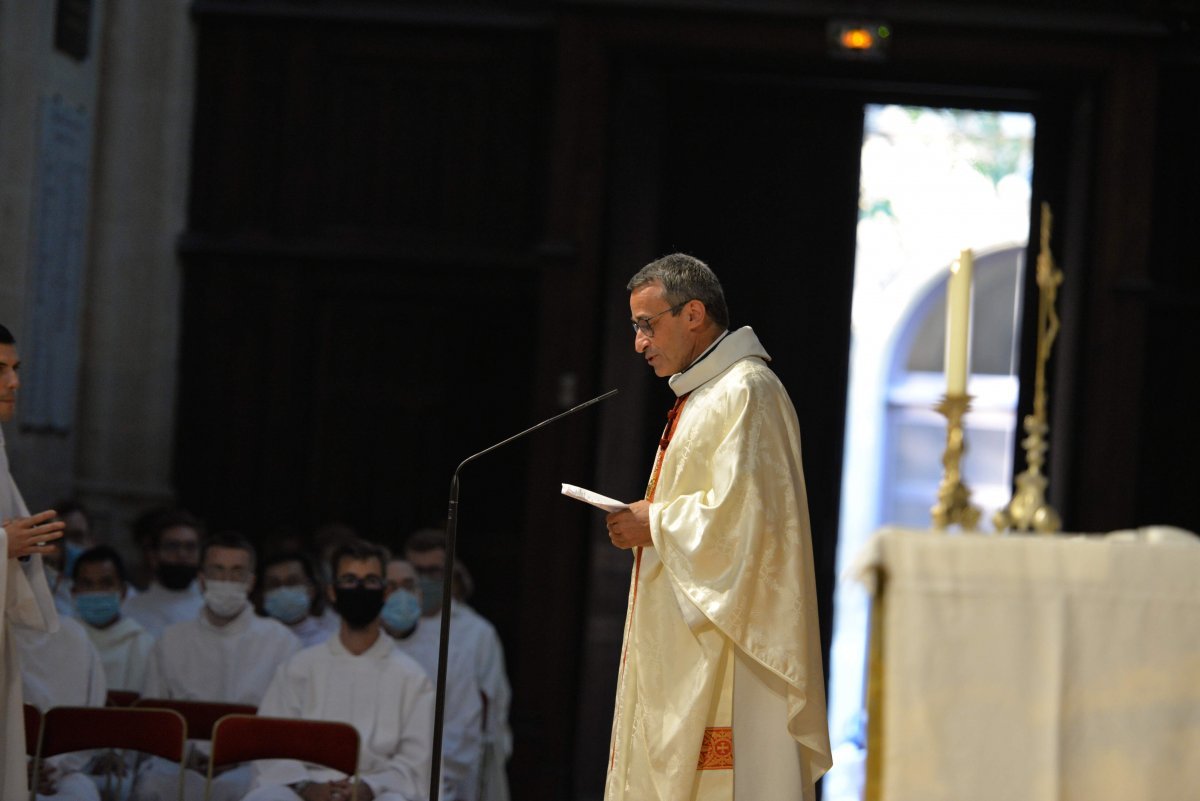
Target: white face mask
x,y
225,598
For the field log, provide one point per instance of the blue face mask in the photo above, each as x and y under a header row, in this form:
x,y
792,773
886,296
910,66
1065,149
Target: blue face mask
x,y
431,594
287,604
401,611
98,608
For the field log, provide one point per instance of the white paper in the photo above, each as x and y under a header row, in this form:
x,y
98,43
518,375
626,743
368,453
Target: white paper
x,y
594,498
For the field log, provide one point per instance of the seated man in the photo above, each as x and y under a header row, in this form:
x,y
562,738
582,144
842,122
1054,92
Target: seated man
x,y
61,669
426,551
462,735
357,677
292,595
173,551
99,585
228,653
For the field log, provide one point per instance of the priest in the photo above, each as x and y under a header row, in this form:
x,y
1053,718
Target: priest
x,y
721,693
24,595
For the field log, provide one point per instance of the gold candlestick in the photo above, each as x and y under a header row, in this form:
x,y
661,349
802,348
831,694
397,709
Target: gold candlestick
x,y
954,497
1028,509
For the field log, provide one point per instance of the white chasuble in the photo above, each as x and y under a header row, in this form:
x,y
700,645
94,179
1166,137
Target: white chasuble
x,y
726,595
24,601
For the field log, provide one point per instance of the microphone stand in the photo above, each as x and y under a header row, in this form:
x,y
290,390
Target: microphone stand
x,y
439,709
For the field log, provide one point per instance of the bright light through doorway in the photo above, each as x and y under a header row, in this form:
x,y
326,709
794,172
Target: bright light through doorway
x,y
933,181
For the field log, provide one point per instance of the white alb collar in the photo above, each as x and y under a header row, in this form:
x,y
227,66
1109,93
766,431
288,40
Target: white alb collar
x,y
730,347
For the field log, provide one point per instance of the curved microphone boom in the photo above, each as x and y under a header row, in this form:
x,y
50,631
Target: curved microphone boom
x,y
439,710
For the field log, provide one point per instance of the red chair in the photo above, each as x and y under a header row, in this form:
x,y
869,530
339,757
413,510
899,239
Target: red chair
x,y
241,738
161,732
33,729
120,698
201,716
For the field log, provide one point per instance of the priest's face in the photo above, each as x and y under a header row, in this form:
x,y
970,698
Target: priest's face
x,y
672,346
9,382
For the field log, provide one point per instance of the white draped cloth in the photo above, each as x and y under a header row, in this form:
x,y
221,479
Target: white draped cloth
x,y
63,669
24,601
462,734
721,692
124,650
383,693
1041,668
158,607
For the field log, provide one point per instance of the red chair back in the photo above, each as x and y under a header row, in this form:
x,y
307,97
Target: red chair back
x,y
240,738
201,716
161,732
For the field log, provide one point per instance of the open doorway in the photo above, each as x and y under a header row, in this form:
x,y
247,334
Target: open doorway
x,y
933,181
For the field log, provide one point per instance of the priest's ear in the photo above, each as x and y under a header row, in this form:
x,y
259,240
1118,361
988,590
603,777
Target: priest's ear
x,y
695,315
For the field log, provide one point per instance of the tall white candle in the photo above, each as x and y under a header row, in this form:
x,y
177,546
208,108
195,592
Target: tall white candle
x,y
958,323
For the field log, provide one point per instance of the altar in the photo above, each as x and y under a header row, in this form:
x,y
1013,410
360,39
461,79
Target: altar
x,y
1033,668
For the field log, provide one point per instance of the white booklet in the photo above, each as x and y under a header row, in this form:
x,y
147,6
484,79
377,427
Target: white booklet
x,y
594,498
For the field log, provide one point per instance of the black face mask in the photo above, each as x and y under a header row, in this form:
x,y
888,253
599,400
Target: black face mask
x,y
358,606
176,577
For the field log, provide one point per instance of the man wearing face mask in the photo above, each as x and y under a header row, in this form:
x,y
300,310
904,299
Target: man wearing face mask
x,y
99,585
173,553
462,739
291,594
228,654
426,551
357,677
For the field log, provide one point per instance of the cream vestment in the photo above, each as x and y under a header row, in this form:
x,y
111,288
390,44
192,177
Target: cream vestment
x,y
721,692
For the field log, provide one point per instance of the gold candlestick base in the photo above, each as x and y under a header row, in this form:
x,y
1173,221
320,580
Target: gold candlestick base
x,y
1028,509
953,505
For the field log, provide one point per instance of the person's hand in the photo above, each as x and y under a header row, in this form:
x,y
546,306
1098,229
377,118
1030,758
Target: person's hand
x,y
47,780
320,791
29,535
630,527
108,764
340,791
197,761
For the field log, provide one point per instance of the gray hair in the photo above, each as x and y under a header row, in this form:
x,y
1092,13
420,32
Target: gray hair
x,y
685,278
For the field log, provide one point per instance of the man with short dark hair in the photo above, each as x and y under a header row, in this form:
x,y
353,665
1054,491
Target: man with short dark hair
x,y
721,692
357,677
25,599
173,553
293,595
98,587
228,654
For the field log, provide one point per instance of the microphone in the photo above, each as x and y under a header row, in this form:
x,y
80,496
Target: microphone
x,y
439,709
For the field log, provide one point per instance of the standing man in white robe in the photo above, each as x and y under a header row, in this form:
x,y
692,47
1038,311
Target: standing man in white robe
x,y
24,595
174,555
462,734
357,677
721,693
227,654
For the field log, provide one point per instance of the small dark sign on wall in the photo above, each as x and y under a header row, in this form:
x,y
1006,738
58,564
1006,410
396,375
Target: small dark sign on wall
x,y
73,27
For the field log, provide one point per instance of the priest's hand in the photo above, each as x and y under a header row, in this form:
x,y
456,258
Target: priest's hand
x,y
30,535
630,527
